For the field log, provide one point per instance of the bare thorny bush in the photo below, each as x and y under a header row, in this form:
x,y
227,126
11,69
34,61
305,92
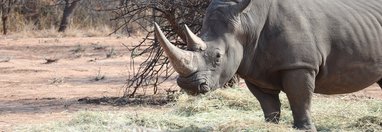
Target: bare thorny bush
x,y
171,15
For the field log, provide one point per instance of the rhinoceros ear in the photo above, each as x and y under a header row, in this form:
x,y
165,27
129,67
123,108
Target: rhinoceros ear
x,y
241,6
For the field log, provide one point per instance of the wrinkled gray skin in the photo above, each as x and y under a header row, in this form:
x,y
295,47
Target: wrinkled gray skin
x,y
299,47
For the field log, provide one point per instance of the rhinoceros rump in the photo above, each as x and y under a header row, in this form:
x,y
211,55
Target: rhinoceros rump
x,y
299,47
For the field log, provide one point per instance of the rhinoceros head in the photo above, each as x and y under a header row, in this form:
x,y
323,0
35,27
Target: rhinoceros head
x,y
214,57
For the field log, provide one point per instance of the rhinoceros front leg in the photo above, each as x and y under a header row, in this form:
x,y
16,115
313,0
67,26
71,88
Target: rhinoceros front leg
x,y
270,102
299,86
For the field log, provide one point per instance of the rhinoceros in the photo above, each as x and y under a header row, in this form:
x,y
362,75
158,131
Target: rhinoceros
x,y
299,47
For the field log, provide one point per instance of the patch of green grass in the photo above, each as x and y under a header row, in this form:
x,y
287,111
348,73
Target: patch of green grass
x,y
225,110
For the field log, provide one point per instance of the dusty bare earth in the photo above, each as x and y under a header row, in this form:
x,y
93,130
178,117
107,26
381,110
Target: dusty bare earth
x,y
34,91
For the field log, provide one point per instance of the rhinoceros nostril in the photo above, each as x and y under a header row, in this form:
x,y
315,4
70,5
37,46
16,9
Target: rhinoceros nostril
x,y
203,88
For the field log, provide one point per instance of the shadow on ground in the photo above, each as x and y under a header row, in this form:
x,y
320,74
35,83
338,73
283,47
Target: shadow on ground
x,y
48,105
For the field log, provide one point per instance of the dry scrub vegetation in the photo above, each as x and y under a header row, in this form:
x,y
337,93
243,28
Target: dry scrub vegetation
x,y
42,18
224,110
232,109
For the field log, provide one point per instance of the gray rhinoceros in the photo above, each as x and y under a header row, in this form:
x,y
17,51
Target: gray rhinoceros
x,y
299,47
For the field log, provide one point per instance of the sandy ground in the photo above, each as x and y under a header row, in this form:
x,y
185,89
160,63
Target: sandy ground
x,y
33,92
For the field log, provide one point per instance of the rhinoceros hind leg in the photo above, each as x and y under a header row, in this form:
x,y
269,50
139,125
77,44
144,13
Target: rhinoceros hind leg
x,y
380,83
270,103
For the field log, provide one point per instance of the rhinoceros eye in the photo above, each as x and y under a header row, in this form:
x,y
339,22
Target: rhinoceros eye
x,y
218,58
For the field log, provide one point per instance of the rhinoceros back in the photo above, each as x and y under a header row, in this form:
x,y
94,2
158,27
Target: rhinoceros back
x,y
351,44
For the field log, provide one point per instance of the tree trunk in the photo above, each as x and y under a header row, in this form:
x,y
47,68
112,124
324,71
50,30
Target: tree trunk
x,y
68,10
4,19
6,7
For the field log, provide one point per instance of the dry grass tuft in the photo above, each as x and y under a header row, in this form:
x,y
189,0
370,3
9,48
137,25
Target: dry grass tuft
x,y
369,122
218,100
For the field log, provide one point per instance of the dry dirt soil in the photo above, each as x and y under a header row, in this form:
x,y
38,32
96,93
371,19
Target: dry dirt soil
x,y
33,90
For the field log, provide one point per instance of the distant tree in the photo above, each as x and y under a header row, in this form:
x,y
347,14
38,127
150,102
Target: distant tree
x,y
69,7
171,15
6,8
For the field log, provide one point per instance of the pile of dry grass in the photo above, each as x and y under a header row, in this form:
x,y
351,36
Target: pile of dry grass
x,y
226,110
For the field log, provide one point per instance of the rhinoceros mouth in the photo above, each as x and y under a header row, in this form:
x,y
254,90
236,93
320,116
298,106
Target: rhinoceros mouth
x,y
194,86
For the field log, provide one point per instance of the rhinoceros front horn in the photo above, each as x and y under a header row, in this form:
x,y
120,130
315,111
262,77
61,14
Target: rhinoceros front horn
x,y
194,43
182,60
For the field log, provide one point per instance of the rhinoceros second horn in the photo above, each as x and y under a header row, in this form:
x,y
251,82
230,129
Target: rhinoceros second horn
x,y
194,43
